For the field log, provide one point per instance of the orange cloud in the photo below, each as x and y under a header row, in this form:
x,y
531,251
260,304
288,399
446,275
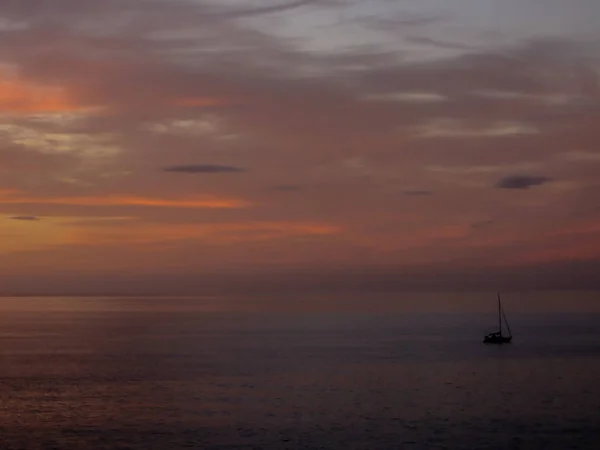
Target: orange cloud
x,y
21,97
125,200
53,233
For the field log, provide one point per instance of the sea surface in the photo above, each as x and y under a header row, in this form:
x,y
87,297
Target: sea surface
x,y
183,373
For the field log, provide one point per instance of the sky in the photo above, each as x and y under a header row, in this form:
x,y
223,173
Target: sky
x,y
184,146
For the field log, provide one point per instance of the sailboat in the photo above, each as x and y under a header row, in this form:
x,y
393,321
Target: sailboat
x,y
498,337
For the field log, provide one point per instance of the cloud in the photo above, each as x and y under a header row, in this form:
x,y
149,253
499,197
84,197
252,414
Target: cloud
x,y
208,202
72,233
581,156
21,97
441,44
478,169
482,224
38,137
205,126
450,128
547,99
417,192
213,234
287,187
521,181
406,97
26,218
203,168
233,13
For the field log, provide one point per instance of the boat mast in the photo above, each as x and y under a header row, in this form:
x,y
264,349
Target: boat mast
x,y
499,315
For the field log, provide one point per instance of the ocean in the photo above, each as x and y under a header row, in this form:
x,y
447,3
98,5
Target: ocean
x,y
99,373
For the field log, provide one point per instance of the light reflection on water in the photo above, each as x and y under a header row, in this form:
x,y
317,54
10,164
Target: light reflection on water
x,y
175,377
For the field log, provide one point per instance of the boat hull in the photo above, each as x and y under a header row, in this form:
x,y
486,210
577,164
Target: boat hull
x,y
497,340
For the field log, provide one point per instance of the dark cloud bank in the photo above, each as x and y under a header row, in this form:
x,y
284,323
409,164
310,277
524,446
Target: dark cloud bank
x,y
203,168
522,181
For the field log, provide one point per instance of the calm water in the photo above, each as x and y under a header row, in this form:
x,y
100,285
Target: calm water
x,y
131,374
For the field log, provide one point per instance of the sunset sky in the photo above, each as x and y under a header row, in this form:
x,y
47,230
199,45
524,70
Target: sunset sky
x,y
171,144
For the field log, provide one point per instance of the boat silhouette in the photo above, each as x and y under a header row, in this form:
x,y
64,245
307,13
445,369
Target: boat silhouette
x,y
498,337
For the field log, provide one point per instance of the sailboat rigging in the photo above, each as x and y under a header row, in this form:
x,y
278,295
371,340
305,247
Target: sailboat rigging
x,y
498,337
